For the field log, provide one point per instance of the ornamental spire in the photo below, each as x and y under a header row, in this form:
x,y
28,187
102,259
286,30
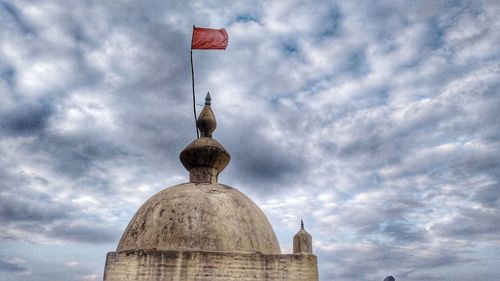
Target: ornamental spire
x,y
208,99
206,122
205,157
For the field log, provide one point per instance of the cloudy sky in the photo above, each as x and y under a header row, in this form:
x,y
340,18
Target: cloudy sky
x,y
377,122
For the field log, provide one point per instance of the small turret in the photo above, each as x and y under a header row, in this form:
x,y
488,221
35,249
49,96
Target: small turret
x,y
302,241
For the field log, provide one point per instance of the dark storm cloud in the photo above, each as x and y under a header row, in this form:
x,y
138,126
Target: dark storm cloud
x,y
13,12
35,209
7,74
88,233
62,230
76,155
25,118
403,232
384,213
375,259
26,213
381,139
488,195
471,224
259,159
9,266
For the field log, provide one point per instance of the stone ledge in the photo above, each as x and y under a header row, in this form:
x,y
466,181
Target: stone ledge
x,y
154,265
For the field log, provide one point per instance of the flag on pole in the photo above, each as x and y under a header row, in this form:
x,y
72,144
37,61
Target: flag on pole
x,y
209,39
205,39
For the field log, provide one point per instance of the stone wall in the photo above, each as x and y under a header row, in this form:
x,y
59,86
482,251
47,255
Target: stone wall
x,y
208,266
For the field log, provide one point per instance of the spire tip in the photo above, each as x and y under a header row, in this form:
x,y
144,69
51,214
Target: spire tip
x,y
208,99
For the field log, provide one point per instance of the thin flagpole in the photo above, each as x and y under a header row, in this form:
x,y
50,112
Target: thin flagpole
x,y
194,96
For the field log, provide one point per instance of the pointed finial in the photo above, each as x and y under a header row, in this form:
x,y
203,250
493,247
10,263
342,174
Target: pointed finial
x,y
208,99
206,122
301,224
205,158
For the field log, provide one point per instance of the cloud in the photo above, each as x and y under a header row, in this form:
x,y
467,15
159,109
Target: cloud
x,y
79,232
470,224
27,118
12,266
28,214
72,263
374,259
375,122
91,277
488,195
14,209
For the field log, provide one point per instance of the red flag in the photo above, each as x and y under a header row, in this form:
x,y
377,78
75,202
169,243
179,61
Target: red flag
x,y
207,39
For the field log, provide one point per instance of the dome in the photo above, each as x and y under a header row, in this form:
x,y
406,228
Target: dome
x,y
200,217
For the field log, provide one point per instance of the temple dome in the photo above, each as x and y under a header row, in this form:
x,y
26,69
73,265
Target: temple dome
x,y
200,217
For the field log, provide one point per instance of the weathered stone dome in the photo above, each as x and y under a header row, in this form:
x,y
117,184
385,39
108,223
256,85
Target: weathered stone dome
x,y
200,216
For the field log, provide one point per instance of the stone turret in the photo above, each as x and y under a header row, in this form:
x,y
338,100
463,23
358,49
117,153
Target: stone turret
x,y
302,241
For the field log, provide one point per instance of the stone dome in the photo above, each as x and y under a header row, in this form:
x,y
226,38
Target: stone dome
x,y
200,217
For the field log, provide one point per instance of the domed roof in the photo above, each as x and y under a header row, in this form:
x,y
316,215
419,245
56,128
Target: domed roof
x,y
204,217
201,215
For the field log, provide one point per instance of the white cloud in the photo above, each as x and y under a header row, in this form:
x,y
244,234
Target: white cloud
x,y
374,122
72,263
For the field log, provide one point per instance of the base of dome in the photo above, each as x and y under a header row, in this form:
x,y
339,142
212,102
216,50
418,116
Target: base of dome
x,y
208,266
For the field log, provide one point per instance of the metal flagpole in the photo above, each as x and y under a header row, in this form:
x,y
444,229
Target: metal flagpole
x,y
192,79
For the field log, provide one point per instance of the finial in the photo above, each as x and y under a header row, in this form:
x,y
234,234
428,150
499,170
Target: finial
x,y
301,224
208,99
205,158
206,122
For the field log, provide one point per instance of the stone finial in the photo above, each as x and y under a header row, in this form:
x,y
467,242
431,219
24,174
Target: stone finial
x,y
205,158
208,99
302,241
206,122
